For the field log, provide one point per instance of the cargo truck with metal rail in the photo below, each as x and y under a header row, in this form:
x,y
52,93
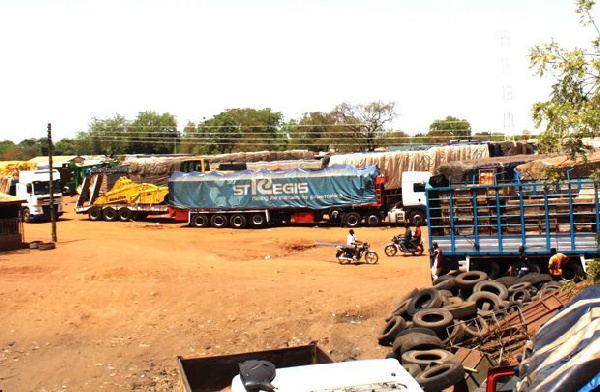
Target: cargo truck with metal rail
x,y
481,226
339,194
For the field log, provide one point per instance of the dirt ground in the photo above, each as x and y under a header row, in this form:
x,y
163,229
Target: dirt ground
x,y
115,303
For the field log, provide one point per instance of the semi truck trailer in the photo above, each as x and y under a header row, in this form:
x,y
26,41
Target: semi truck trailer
x,y
339,194
481,226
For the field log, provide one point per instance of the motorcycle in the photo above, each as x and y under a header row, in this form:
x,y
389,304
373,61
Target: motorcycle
x,y
346,255
397,245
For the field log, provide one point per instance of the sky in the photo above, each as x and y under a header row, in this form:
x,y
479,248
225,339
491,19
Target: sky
x,y
66,62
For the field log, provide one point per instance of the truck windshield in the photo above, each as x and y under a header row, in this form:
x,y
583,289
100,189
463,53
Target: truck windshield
x,y
43,187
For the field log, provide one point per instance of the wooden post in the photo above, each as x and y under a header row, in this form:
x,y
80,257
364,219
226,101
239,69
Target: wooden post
x,y
52,210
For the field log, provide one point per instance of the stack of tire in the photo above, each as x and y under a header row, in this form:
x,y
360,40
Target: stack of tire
x,y
428,322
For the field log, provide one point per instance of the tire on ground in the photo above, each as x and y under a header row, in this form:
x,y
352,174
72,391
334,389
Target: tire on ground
x,y
463,311
412,368
476,327
425,358
493,287
391,329
409,335
424,299
486,301
46,246
420,342
441,376
467,280
435,319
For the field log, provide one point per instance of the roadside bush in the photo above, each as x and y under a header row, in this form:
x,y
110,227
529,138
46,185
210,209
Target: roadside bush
x,y
593,271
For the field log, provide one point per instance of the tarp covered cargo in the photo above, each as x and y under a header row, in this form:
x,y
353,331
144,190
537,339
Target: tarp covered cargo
x,y
466,171
534,170
566,350
157,170
335,186
393,164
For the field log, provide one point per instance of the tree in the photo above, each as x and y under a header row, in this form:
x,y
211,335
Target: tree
x,y
442,131
311,132
106,136
66,147
188,144
490,136
394,138
362,125
153,133
242,130
573,111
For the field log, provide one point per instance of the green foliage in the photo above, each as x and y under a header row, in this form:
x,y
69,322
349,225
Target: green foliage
x,y
573,111
363,125
152,133
66,147
107,136
238,130
315,131
394,138
593,271
442,131
489,136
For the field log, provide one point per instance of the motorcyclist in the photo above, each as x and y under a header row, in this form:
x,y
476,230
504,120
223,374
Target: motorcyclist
x,y
352,243
407,236
416,239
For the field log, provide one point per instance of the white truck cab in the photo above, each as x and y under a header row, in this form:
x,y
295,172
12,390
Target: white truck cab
x,y
34,187
413,199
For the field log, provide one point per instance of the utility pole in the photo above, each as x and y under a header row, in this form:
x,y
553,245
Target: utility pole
x,y
52,210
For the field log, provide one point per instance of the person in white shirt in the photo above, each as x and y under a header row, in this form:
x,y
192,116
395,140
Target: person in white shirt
x,y
351,242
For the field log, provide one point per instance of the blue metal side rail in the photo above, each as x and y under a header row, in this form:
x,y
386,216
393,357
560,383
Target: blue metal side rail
x,y
494,220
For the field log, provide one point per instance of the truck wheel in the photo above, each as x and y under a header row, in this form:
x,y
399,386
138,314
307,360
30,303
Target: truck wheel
x,y
237,221
352,219
109,214
218,220
26,215
200,220
417,217
125,214
95,214
373,219
258,220
390,250
334,215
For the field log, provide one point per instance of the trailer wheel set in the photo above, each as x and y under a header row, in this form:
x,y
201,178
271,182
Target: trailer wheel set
x,y
461,309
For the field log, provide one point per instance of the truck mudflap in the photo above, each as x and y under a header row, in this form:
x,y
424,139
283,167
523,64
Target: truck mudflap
x,y
215,373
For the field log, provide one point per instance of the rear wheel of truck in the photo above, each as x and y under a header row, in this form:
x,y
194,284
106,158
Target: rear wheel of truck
x,y
109,214
125,214
373,219
26,215
95,214
237,221
352,219
218,220
200,220
258,220
417,217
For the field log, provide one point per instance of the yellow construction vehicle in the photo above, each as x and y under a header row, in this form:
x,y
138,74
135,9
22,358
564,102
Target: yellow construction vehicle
x,y
126,191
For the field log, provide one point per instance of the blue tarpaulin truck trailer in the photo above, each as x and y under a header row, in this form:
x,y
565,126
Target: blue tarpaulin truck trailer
x,y
340,193
481,226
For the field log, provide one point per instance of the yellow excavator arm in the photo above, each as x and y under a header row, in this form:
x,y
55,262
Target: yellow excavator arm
x,y
126,191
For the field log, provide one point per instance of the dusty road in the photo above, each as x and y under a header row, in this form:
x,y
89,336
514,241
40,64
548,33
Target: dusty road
x,y
115,303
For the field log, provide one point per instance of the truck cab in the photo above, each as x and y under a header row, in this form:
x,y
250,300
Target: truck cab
x,y
412,207
34,187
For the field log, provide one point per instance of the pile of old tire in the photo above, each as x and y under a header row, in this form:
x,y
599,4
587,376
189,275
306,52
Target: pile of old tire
x,y
427,323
